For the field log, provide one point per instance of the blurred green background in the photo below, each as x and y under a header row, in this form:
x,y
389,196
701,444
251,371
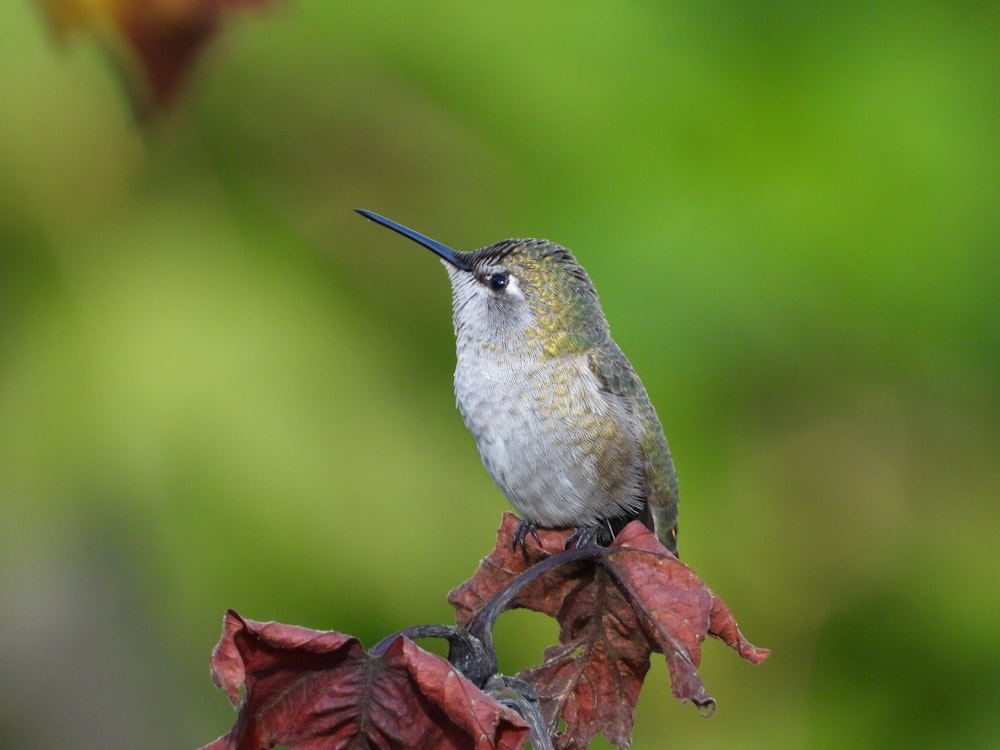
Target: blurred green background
x,y
219,387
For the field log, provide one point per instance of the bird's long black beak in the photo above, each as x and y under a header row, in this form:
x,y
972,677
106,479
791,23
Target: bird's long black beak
x,y
445,252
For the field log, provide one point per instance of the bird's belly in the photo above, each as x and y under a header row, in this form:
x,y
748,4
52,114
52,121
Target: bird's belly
x,y
552,442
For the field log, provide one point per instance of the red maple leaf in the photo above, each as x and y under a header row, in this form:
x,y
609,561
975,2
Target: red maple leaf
x,y
615,607
313,690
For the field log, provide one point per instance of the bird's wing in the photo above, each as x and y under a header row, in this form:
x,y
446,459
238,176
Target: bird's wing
x,y
617,377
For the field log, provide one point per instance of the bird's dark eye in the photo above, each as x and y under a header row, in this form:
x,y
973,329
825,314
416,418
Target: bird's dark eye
x,y
498,281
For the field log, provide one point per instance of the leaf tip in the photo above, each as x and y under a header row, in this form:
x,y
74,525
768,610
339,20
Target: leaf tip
x,y
706,707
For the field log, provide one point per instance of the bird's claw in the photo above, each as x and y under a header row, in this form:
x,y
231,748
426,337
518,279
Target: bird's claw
x,y
595,535
521,534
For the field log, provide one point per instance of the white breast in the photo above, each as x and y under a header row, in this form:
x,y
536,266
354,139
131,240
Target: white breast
x,y
563,452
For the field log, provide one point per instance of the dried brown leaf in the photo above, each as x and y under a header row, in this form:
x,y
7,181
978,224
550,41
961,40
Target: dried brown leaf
x,y
313,690
614,610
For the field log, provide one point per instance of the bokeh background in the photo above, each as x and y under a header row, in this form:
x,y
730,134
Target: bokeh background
x,y
219,387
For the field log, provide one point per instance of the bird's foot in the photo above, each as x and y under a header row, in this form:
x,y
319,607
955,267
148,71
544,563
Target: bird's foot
x,y
594,535
521,534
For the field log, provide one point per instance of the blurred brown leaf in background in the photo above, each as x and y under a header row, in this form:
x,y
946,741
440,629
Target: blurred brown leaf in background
x,y
154,44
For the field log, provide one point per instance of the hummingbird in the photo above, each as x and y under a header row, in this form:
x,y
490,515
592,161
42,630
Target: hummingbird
x,y
562,422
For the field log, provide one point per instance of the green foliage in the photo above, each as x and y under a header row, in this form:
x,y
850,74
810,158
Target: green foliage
x,y
220,388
